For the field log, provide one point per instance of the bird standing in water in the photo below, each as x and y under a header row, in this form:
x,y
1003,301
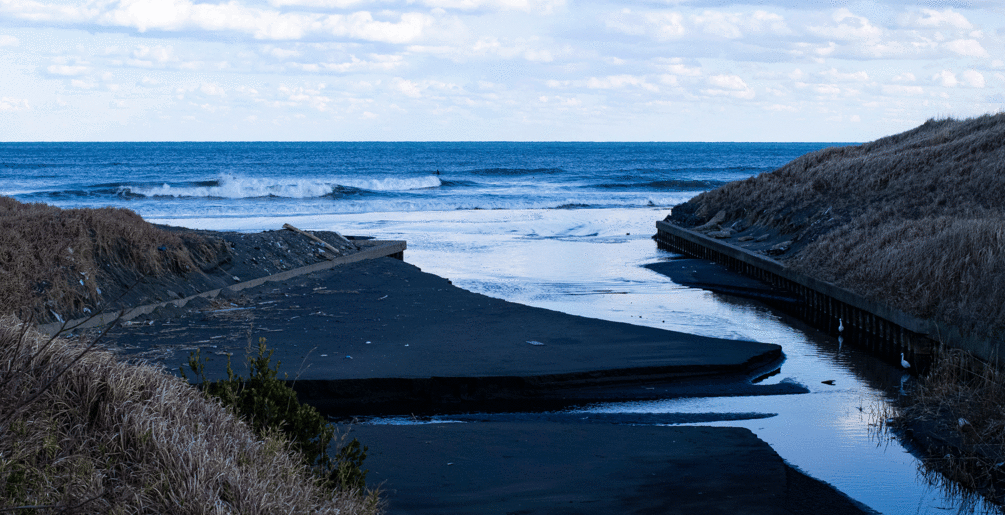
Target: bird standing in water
x,y
903,362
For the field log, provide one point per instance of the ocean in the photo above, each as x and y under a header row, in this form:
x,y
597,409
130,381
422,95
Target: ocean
x,y
179,180
564,226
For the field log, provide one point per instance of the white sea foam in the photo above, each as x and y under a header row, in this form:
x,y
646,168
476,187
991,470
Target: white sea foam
x,y
235,187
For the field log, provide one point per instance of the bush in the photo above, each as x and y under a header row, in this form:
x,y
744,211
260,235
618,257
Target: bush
x,y
269,404
83,432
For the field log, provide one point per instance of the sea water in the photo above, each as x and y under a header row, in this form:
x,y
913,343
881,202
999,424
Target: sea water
x,y
565,226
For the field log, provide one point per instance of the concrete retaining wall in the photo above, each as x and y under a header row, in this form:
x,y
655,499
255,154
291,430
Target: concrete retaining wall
x,y
373,249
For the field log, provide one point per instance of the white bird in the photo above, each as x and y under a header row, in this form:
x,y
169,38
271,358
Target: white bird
x,y
840,325
903,362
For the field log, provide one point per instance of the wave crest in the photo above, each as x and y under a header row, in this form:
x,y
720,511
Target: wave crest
x,y
245,187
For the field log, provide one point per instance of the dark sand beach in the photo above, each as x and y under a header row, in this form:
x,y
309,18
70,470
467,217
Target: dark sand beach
x,y
382,337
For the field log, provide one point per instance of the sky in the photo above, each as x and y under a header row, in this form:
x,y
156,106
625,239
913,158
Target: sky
x,y
493,70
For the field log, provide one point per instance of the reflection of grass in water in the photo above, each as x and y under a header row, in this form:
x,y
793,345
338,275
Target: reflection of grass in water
x,y
962,401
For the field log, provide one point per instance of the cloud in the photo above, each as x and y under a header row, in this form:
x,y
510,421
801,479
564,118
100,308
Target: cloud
x,y
8,41
728,85
848,27
147,57
946,78
67,70
901,90
408,88
833,74
185,15
930,18
782,107
13,104
662,26
620,81
733,25
677,67
973,78
967,47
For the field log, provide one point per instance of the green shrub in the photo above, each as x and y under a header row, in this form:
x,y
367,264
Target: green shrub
x,y
269,404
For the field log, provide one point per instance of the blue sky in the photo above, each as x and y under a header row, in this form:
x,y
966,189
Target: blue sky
x,y
521,70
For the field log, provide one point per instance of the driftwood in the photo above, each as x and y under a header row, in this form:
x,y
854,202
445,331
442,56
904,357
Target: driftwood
x,y
328,246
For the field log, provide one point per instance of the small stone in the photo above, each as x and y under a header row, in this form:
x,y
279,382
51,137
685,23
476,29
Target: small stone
x,y
745,238
762,237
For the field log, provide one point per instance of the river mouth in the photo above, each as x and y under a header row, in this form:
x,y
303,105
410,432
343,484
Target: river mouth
x,y
591,263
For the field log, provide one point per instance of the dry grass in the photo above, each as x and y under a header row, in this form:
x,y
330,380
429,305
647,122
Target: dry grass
x,y
52,258
105,436
962,401
913,220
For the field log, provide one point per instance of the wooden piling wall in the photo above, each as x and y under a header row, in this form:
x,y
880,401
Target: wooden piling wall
x,y
884,330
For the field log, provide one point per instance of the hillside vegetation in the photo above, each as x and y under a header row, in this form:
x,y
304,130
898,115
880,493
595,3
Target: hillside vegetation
x,y
54,263
82,432
915,220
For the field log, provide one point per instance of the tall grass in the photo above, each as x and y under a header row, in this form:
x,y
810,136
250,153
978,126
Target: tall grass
x,y
85,433
56,260
959,401
915,220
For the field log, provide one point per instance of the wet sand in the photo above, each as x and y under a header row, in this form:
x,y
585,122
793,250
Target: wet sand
x,y
382,337
531,467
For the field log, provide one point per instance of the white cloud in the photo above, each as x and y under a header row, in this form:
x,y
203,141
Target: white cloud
x,y
826,89
930,18
82,84
280,53
300,95
181,15
212,90
149,82
833,74
946,78
662,26
620,81
905,77
848,26
147,56
900,90
317,4
782,107
973,78
727,81
677,67
734,25
13,104
728,85
63,69
967,47
540,6
408,88
8,41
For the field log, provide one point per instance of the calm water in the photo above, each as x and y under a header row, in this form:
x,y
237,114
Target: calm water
x,y
560,226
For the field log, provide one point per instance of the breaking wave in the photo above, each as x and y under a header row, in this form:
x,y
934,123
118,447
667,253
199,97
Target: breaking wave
x,y
244,187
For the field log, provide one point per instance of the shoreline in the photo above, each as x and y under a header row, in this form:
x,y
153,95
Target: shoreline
x,y
357,302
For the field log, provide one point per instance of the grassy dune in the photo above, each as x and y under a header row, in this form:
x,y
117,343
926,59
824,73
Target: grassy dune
x,y
81,431
56,260
85,433
913,220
